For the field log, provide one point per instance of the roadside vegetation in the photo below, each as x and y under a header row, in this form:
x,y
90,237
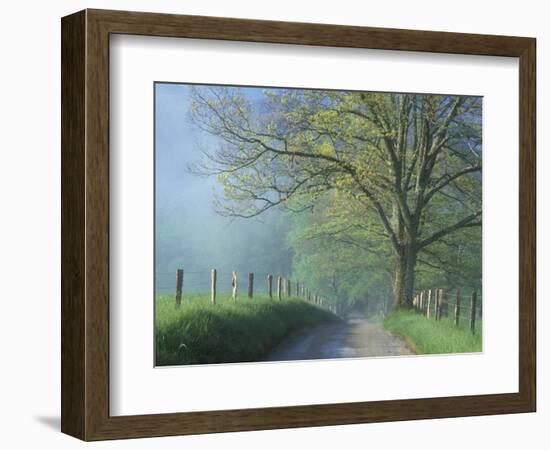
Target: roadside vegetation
x,y
428,336
198,332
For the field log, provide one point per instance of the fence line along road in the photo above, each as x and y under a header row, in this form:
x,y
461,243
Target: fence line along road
x,y
284,288
434,304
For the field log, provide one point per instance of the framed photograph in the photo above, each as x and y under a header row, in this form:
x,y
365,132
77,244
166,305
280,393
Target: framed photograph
x,y
273,225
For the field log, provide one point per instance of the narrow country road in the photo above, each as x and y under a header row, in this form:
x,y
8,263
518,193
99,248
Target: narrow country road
x,y
354,338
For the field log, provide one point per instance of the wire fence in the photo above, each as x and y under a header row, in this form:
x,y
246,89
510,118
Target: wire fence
x,y
197,281
438,303
432,303
213,281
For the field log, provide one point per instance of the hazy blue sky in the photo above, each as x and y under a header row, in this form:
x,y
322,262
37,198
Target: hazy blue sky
x,y
175,147
188,232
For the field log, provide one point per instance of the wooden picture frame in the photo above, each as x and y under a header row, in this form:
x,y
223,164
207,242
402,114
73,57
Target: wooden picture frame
x,y
85,224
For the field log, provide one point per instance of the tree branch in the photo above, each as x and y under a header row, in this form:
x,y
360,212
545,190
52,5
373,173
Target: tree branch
x,y
464,223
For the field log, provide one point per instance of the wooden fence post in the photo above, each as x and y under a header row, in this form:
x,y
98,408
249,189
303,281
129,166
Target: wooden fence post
x,y
279,293
234,286
213,276
437,304
444,312
270,286
288,288
250,285
457,308
421,305
425,311
179,286
429,304
473,312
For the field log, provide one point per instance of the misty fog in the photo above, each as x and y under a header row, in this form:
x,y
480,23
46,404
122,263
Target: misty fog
x,y
189,234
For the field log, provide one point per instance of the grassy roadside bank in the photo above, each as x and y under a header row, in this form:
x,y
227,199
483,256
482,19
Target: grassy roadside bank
x,y
201,333
431,336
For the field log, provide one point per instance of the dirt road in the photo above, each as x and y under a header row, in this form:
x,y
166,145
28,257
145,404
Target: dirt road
x,y
354,338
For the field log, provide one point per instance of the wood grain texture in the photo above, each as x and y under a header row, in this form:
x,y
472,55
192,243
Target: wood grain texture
x,y
527,224
153,24
72,224
85,224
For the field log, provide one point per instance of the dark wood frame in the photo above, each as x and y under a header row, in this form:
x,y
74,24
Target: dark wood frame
x,y
85,224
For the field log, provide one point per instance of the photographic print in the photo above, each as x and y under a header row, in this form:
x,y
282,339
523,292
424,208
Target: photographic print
x,y
316,204
300,224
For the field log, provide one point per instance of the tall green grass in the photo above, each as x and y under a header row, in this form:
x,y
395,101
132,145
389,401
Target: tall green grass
x,y
430,336
201,333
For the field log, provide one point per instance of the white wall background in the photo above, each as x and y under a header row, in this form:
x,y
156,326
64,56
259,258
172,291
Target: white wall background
x,y
30,221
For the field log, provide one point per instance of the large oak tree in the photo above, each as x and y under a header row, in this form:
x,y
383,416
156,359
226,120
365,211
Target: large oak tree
x,y
409,165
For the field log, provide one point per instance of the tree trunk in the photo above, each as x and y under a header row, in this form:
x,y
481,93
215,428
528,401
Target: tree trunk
x,y
411,254
403,288
399,282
